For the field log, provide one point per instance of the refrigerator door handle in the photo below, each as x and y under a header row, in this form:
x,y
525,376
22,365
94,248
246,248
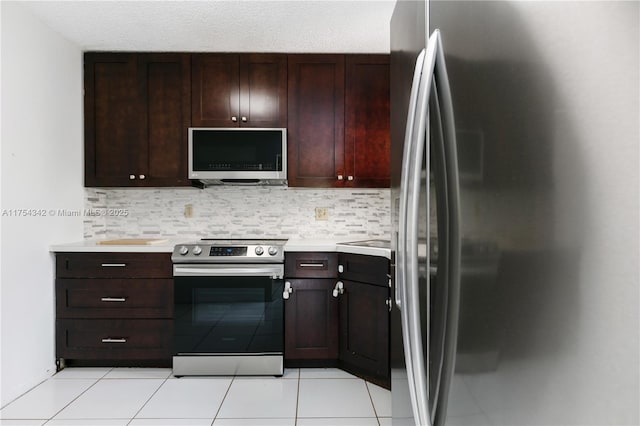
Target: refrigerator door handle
x,y
406,156
454,233
434,75
401,267
415,349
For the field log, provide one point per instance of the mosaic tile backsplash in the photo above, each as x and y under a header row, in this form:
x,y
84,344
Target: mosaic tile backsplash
x,y
237,212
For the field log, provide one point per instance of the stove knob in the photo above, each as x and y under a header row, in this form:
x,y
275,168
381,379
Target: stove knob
x,y
197,250
184,250
273,251
259,250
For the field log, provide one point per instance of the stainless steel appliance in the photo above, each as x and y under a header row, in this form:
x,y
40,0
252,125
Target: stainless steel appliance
x,y
238,155
514,129
229,312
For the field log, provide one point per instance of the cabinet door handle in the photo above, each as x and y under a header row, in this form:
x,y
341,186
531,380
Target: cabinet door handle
x,y
338,289
244,119
113,265
311,265
114,340
340,268
287,290
349,177
132,177
142,176
340,177
113,299
234,119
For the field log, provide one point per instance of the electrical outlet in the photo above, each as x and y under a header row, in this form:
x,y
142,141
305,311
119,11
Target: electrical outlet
x,y
322,213
188,211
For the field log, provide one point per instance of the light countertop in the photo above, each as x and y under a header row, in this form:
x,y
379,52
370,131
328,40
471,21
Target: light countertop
x,y
292,245
93,246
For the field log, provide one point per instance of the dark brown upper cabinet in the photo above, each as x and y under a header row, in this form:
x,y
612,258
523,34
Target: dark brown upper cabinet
x,y
367,126
239,90
137,112
339,121
316,120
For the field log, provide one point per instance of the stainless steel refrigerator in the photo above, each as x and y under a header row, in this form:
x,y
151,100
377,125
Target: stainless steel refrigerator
x,y
515,212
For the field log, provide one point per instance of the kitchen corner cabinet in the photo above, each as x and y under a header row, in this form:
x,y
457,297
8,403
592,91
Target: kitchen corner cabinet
x,y
364,317
339,121
114,309
311,311
137,112
239,90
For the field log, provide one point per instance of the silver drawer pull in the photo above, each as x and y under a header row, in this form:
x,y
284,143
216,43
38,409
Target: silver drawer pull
x,y
311,265
113,265
113,299
114,340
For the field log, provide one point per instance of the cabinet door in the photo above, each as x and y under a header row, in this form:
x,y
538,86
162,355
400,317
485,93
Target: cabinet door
x,y
311,320
263,90
164,86
215,90
364,330
111,111
367,131
316,120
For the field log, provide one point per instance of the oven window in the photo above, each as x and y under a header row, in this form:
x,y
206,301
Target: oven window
x,y
228,315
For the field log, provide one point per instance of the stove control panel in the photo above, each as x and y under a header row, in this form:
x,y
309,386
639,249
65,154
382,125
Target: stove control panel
x,y
204,252
228,251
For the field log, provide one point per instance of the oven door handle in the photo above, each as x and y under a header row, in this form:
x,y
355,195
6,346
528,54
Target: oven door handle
x,y
273,271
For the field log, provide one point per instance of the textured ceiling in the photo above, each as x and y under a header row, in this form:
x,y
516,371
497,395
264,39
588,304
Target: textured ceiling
x,y
222,26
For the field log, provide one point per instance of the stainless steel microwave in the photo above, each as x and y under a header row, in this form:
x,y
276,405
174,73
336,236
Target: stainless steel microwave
x,y
237,155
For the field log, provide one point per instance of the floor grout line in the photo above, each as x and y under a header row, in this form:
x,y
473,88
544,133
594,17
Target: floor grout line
x,y
373,404
233,378
295,421
148,399
74,399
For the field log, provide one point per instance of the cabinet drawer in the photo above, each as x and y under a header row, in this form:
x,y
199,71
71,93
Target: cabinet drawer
x,y
114,265
113,339
365,269
311,265
114,298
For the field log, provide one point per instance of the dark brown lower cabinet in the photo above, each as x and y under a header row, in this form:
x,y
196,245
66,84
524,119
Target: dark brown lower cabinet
x,y
114,309
350,329
114,339
364,331
311,323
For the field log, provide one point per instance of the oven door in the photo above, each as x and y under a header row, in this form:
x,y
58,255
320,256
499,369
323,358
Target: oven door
x,y
228,319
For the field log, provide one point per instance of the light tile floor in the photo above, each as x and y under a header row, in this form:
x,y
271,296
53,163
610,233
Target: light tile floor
x,y
153,397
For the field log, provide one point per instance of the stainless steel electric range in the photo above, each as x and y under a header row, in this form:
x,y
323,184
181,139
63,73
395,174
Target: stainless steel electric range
x,y
229,311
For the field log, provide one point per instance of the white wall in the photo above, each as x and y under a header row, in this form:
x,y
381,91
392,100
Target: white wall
x,y
42,170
